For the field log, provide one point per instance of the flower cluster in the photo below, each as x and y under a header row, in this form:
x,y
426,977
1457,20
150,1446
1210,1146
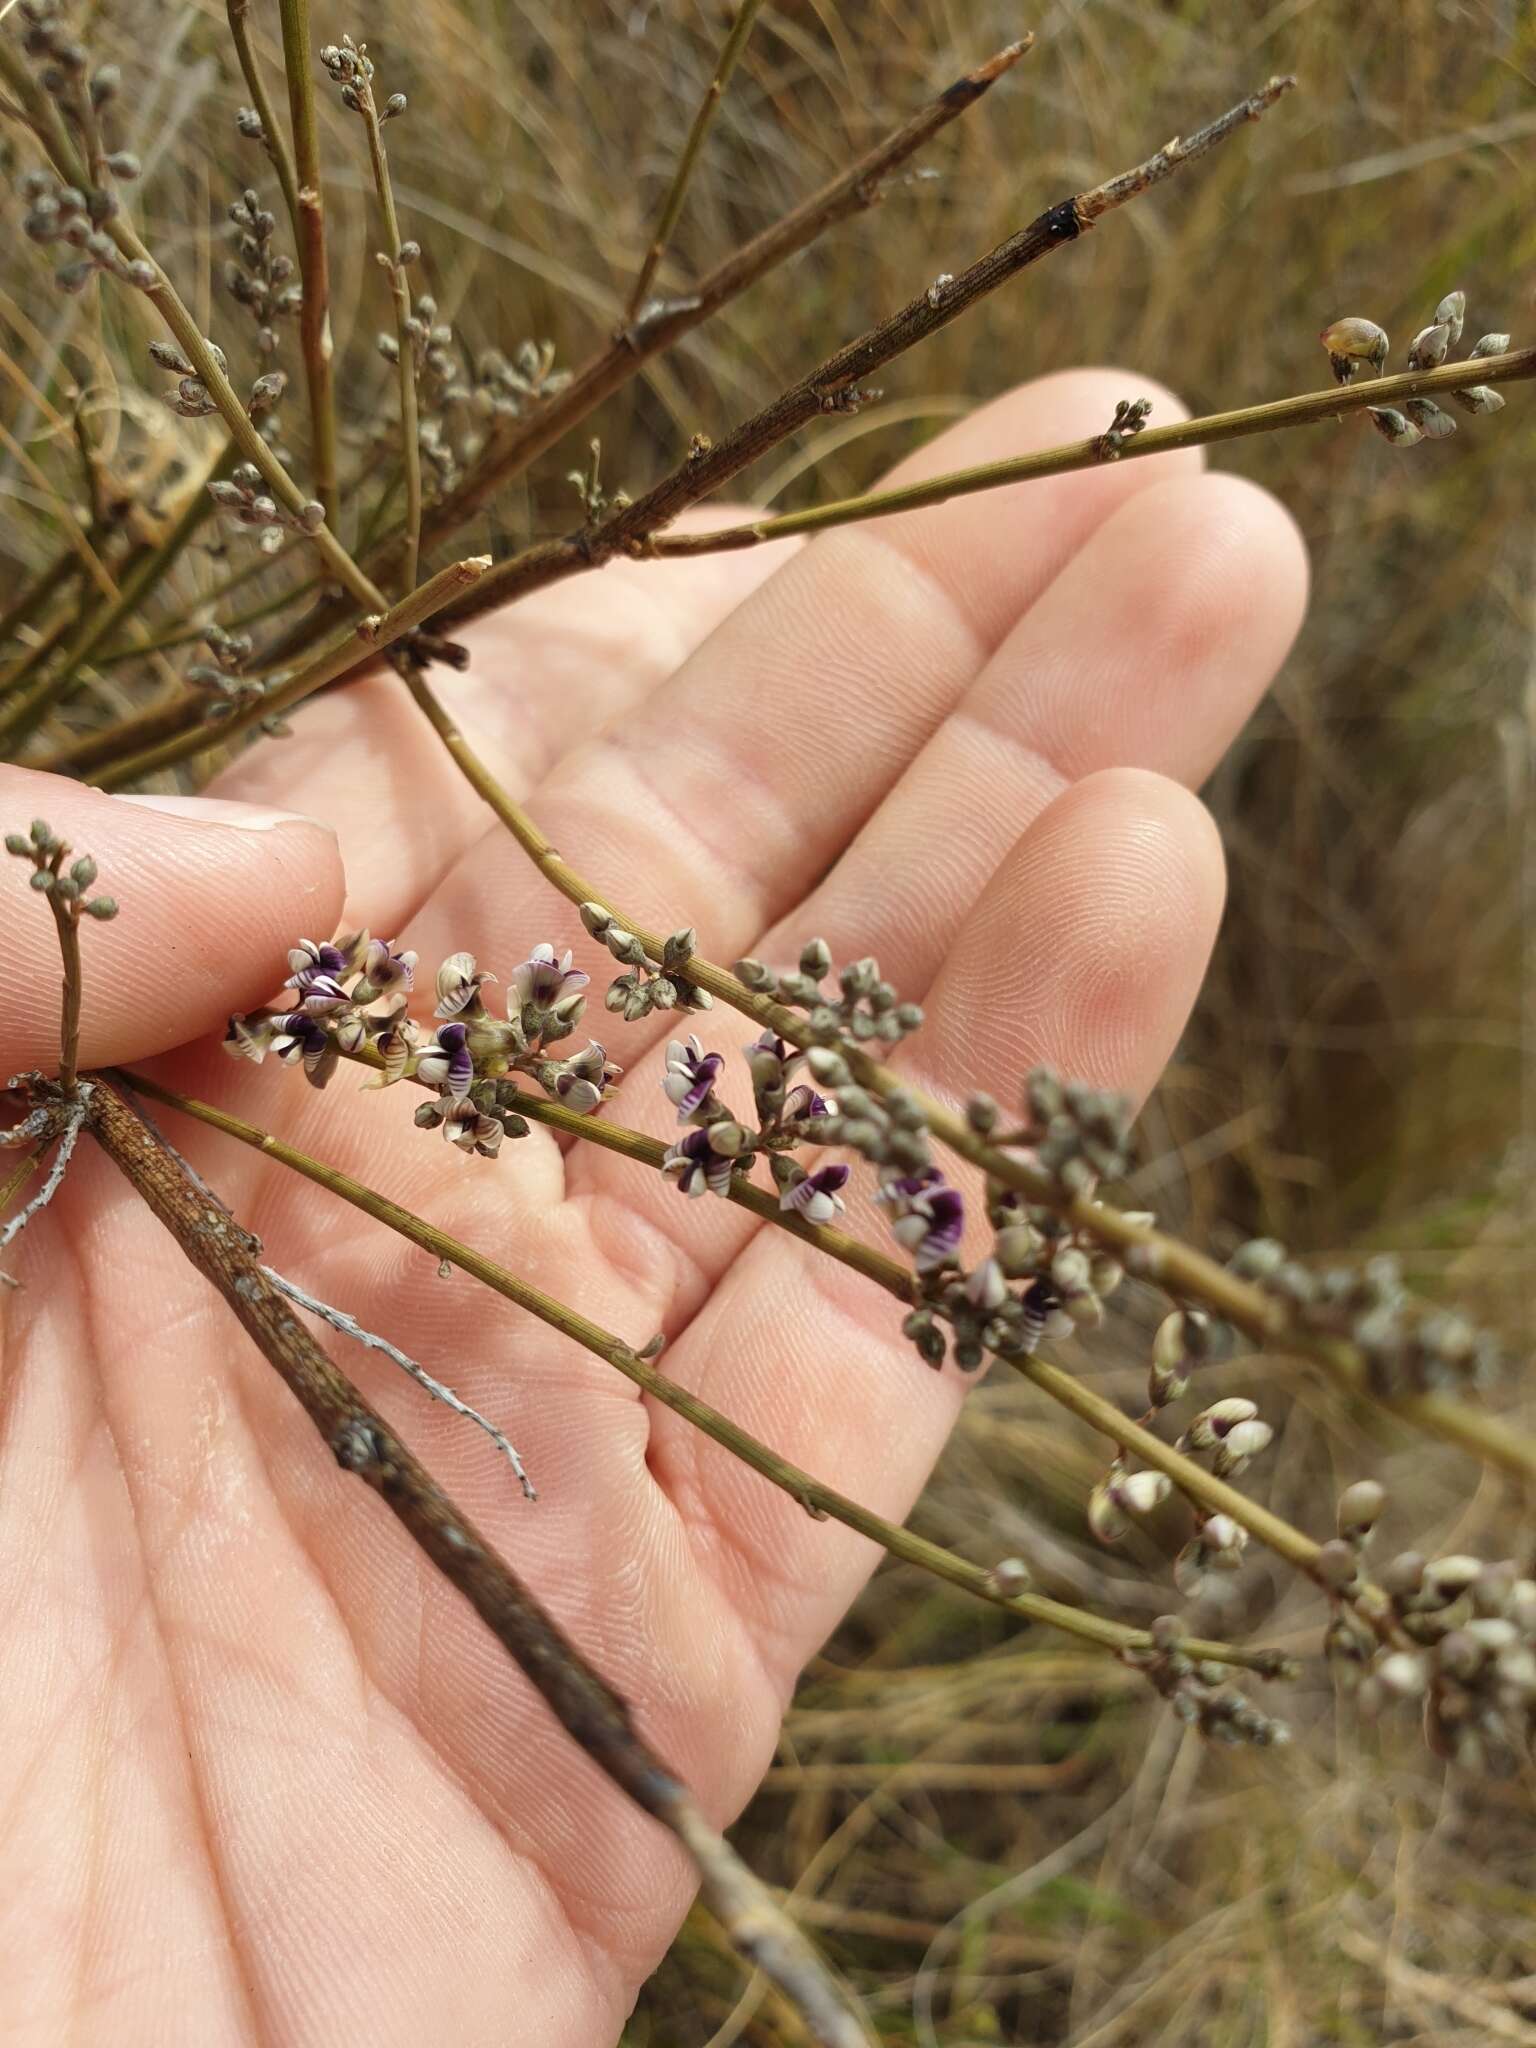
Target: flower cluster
x,y
57,212
863,1007
258,276
648,982
1201,1692
66,888
351,999
1354,344
244,500
1407,1349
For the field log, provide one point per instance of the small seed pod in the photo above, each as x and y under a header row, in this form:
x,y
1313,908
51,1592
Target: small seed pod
x,y
1360,1506
1451,312
1432,421
1394,427
1479,398
1429,347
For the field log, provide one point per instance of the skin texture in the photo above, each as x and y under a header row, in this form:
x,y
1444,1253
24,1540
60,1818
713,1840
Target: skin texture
x,y
262,1776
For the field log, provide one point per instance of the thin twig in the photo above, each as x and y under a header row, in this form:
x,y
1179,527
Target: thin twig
x,y
510,451
148,572
272,137
818,1499
677,190
582,1701
315,313
73,1125
400,295
835,385
1305,409
349,1326
364,643
189,337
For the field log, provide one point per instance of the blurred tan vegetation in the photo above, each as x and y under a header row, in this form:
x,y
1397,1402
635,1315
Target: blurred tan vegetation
x,y
989,1821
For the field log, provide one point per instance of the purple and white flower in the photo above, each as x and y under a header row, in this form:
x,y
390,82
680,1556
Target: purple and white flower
x,y
447,1062
543,980
472,1131
803,1103
384,969
250,1037
305,1039
816,1197
320,994
929,1217
691,1076
459,983
584,1079
311,957
698,1166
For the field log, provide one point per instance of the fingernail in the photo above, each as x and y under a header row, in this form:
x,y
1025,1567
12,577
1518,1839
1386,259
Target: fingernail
x,y
218,810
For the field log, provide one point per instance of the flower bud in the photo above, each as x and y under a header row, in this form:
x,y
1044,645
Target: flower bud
x,y
1242,1443
1429,347
1491,345
1451,312
1394,427
1432,421
1479,398
1359,1507
1351,342
1218,1421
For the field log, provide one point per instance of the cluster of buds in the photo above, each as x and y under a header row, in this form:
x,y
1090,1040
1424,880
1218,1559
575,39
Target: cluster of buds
x,y
65,887
81,95
243,499
1465,1648
648,982
351,1001
194,401
1131,415
863,1007
259,276
57,212
1354,344
1079,1135
350,67
226,688
1455,1635
1200,1692
1407,1348
593,495
459,400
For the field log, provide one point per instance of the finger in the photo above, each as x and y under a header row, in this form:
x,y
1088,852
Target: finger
x,y
1149,650
731,788
211,895
1086,953
543,676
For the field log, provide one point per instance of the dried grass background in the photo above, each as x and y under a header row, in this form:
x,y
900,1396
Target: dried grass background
x,y
987,1822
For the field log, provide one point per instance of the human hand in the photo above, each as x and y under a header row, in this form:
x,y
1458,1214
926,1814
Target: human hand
x,y
262,1774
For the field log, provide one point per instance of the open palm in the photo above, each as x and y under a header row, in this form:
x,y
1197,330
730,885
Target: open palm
x,y
263,1776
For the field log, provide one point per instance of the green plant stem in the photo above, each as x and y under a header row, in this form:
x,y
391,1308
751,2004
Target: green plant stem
x,y
860,186
23,717
33,597
582,1701
275,144
1305,409
672,205
400,295
188,336
365,642
818,1499
315,313
1178,1268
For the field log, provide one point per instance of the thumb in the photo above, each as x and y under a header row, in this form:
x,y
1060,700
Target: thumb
x,y
210,896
